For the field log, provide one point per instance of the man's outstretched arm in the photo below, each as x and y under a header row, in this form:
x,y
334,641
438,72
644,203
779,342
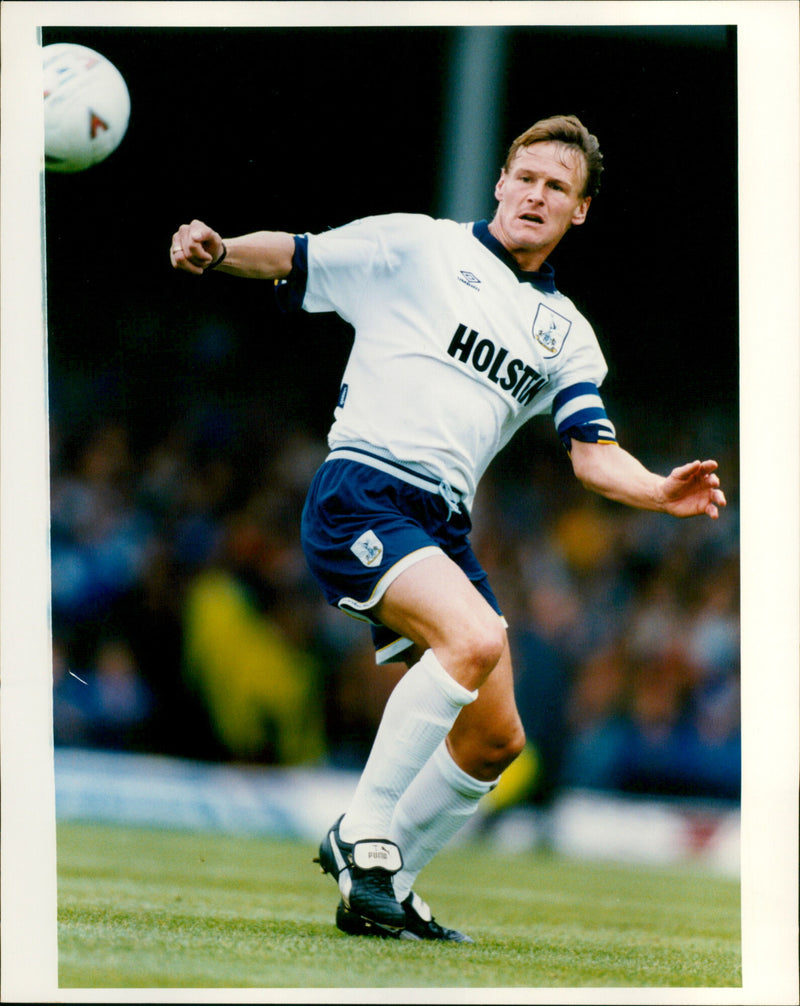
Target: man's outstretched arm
x,y
688,491
196,247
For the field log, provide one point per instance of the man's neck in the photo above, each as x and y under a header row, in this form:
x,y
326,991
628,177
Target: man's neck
x,y
528,259
543,279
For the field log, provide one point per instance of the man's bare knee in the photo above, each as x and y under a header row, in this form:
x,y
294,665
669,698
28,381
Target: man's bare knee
x,y
485,757
501,751
472,655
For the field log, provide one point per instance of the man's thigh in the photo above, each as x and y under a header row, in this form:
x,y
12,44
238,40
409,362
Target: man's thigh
x,y
434,604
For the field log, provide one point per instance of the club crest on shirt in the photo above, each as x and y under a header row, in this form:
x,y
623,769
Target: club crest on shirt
x,y
368,549
550,329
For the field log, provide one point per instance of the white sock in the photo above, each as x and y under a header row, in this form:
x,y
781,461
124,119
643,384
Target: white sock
x,y
418,716
432,810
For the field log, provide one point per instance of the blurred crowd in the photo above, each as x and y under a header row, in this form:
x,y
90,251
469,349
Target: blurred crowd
x,y
185,621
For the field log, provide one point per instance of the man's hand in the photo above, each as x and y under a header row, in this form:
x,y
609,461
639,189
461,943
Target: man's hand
x,y
692,490
195,247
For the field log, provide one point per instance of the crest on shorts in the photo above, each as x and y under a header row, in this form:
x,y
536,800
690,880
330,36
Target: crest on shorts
x,y
550,329
368,549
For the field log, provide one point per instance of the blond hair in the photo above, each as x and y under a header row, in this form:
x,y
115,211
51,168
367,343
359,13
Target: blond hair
x,y
569,130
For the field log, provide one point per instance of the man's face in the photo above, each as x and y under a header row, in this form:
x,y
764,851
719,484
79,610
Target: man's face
x,y
539,198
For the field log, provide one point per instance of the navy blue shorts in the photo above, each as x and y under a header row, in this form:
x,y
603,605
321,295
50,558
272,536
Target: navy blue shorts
x,y
361,527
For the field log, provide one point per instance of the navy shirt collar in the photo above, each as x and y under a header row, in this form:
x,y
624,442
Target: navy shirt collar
x,y
543,280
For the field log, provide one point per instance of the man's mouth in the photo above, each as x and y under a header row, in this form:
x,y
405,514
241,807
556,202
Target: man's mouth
x,y
532,218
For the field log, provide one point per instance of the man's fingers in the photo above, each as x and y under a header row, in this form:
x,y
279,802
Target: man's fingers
x,y
197,236
686,471
179,257
199,232
717,500
188,250
693,468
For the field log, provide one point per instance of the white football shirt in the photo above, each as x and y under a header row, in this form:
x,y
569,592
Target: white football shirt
x,y
455,347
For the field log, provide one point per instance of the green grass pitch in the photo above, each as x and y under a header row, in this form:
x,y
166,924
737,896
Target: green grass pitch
x,y
153,908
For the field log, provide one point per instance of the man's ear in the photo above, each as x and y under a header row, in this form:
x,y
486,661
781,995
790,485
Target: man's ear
x,y
580,213
498,189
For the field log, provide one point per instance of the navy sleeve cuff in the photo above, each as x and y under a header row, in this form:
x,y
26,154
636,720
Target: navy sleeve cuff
x,y
290,292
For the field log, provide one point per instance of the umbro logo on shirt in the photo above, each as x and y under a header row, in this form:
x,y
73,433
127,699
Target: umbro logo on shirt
x,y
469,279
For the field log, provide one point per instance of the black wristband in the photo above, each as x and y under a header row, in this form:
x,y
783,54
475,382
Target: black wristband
x,y
220,260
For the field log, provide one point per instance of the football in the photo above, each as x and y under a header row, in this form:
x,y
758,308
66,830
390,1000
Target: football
x,y
86,107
